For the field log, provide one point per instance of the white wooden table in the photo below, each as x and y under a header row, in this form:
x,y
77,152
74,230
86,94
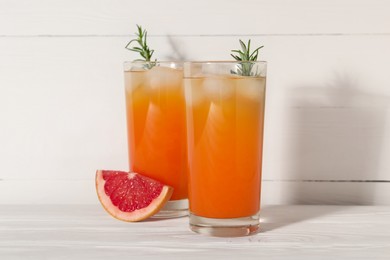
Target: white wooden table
x,y
288,232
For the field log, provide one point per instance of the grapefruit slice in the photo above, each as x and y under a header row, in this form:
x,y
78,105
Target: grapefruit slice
x,y
130,196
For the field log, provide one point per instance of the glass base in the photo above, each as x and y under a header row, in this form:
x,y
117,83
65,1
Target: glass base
x,y
225,227
173,209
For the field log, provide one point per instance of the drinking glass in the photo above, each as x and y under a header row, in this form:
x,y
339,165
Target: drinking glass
x,y
225,118
156,128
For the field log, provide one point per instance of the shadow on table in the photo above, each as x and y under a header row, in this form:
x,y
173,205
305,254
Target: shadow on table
x,y
274,217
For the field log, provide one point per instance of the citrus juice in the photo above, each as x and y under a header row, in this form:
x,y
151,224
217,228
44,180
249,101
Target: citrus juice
x,y
156,126
225,135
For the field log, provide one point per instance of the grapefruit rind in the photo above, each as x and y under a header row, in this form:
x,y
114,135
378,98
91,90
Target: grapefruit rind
x,y
155,206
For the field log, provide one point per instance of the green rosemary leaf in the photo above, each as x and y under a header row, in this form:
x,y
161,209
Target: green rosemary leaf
x,y
257,50
243,47
143,48
246,57
238,51
137,49
235,57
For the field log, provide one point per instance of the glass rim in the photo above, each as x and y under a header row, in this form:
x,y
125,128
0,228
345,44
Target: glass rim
x,y
195,62
225,62
149,62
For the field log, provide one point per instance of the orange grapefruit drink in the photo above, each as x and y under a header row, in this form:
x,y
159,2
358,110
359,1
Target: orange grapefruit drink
x,y
156,129
225,115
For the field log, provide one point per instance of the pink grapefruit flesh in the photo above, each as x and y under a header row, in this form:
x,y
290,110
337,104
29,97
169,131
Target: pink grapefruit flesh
x,y
130,196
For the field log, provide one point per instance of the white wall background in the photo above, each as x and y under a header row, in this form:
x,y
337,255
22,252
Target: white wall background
x,y
62,111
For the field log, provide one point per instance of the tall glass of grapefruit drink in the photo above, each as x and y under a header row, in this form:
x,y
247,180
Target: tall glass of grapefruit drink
x,y
225,118
156,128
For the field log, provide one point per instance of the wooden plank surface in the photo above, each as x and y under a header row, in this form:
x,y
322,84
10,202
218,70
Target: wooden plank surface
x,y
288,232
63,113
66,191
201,17
328,97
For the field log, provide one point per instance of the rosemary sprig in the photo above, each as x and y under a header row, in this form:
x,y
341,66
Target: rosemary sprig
x,y
143,49
247,57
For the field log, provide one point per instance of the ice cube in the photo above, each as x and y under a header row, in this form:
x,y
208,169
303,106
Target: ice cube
x,y
217,88
164,77
194,93
251,88
135,79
